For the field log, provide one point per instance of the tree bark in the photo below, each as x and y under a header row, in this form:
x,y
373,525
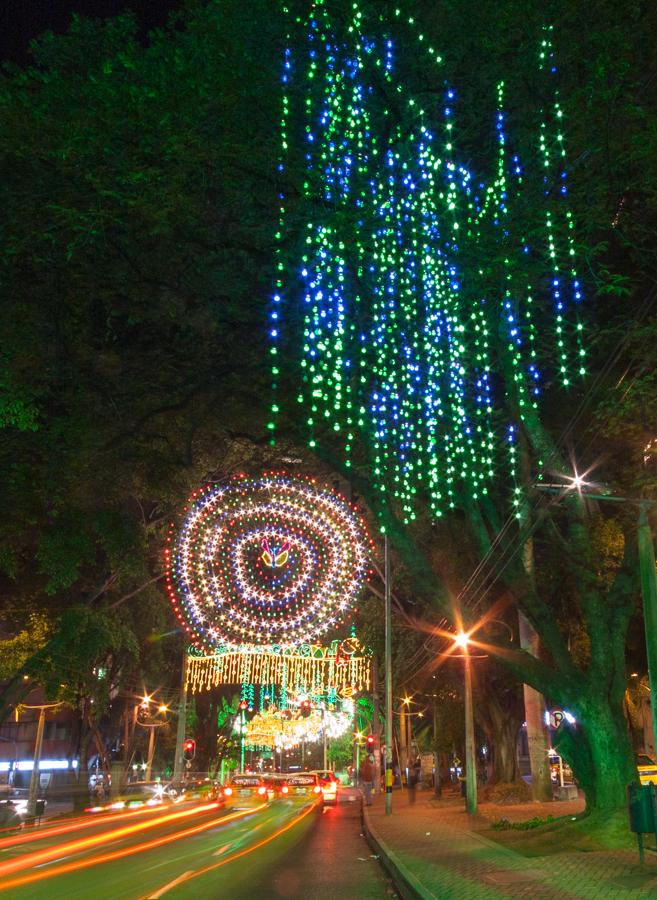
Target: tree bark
x,y
599,751
537,739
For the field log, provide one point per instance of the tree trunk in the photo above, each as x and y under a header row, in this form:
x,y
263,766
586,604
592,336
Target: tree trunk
x,y
599,753
505,753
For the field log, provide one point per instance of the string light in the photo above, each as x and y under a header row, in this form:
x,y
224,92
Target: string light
x,y
265,561
341,669
418,333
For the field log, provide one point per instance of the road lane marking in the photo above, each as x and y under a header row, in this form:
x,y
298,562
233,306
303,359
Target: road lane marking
x,y
171,884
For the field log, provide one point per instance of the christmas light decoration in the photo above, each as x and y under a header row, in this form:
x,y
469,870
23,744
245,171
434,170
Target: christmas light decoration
x,y
265,562
435,300
280,729
343,668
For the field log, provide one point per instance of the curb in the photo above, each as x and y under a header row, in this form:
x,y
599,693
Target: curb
x,y
409,887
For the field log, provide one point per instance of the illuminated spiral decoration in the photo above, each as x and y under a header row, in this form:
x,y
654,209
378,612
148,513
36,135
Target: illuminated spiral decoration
x,y
270,560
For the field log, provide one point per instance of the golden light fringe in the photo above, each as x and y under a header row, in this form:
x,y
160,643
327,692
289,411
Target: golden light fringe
x,y
206,672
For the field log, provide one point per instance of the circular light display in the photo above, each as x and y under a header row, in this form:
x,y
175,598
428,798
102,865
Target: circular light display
x,y
270,560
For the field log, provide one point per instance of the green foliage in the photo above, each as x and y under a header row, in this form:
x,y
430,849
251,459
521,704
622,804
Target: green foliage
x,y
340,751
528,825
15,651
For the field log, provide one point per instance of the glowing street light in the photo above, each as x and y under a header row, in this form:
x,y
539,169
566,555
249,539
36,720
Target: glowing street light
x,y
462,640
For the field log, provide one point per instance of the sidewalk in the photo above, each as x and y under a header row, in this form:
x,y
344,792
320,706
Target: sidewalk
x,y
432,848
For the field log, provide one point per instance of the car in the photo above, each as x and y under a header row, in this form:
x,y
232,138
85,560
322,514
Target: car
x,y
243,786
145,793
329,783
647,769
13,812
306,784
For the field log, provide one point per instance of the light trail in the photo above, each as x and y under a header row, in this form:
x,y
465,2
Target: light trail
x,y
49,853
234,856
128,851
76,824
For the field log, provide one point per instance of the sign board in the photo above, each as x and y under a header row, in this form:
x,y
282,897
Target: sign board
x,y
556,718
44,780
428,762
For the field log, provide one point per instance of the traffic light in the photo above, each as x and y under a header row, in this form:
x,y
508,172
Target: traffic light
x,y
370,742
305,707
189,750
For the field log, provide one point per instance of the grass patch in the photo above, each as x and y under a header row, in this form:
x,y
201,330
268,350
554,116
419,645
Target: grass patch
x,y
567,834
536,822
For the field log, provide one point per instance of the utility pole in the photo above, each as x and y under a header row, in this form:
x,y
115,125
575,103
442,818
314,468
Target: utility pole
x,y
179,761
34,779
376,725
388,676
242,739
649,594
470,754
151,752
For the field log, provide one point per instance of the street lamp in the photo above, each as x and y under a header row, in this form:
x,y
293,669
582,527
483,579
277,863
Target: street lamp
x,y
462,640
152,724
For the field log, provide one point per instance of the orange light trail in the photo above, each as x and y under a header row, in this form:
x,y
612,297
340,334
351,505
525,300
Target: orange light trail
x,y
74,825
128,851
42,856
244,852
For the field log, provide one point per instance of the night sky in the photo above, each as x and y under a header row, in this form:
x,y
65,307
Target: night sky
x,y
23,20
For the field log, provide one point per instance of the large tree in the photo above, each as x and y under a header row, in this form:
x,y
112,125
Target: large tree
x,y
393,400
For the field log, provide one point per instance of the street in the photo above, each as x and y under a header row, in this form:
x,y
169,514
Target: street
x,y
285,848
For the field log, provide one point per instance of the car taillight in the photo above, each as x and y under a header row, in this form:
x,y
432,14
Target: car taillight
x,y
228,791
262,790
317,789
284,789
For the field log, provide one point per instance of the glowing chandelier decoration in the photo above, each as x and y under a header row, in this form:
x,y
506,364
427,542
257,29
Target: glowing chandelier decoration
x,y
262,573
435,301
281,729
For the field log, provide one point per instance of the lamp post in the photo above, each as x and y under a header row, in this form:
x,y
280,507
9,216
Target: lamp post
x,y
178,760
151,724
388,677
462,640
38,743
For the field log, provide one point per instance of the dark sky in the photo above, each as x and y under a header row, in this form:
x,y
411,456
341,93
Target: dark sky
x,y
22,20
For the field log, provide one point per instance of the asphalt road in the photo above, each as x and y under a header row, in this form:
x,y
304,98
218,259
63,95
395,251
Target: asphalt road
x,y
284,849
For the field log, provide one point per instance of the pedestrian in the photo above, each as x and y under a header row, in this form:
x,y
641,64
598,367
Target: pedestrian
x,y
413,777
367,779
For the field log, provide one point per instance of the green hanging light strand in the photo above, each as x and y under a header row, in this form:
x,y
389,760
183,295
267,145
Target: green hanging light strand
x,y
414,308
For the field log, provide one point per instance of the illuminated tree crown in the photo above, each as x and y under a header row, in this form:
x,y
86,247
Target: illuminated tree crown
x,y
436,300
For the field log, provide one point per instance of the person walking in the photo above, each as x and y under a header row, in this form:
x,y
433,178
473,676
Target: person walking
x,y
367,779
414,772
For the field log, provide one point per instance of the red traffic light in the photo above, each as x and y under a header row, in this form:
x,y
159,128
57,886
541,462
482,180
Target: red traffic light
x,y
189,749
370,740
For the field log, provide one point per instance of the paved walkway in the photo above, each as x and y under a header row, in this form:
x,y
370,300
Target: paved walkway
x,y
434,845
